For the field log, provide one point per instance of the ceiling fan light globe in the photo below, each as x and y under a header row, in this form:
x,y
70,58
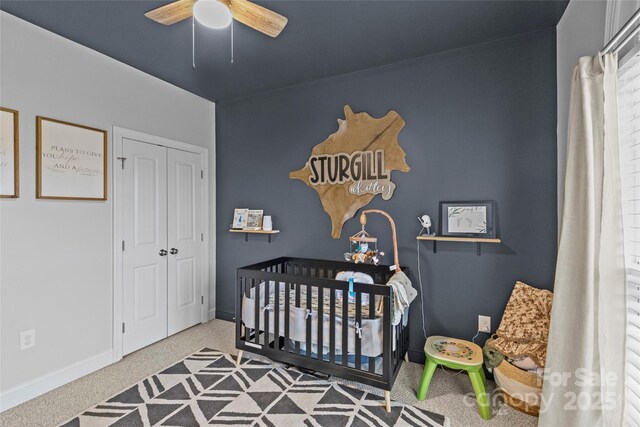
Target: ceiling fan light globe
x,y
212,14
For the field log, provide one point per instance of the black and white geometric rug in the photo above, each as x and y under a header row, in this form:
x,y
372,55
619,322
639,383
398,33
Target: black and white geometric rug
x,y
207,388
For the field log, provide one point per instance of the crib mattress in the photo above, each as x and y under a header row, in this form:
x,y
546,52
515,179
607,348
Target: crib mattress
x,y
370,330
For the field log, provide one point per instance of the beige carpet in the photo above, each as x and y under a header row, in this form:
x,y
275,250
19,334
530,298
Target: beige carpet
x,y
450,393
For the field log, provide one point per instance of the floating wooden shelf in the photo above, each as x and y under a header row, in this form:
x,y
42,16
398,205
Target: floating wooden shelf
x,y
247,232
459,239
476,240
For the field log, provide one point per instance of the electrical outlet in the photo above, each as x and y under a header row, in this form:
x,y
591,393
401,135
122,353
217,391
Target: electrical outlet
x,y
484,324
27,339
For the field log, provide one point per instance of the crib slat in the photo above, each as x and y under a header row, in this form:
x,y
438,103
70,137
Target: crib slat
x,y
372,315
332,325
387,330
256,308
276,316
297,285
287,313
359,324
320,322
397,343
238,305
245,290
345,327
265,313
309,320
404,340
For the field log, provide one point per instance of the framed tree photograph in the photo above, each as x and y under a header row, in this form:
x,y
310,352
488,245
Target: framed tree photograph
x,y
9,158
468,219
71,161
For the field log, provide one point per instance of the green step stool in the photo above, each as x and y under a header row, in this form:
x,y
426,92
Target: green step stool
x,y
460,355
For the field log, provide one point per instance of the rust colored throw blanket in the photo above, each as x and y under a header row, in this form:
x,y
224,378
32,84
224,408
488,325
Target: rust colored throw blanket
x,y
524,328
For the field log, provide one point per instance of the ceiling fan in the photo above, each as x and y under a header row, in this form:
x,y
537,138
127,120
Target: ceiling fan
x,y
218,14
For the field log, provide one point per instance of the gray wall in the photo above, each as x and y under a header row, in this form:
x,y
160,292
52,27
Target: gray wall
x,y
56,255
481,124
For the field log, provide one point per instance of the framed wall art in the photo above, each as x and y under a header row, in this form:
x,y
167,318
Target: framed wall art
x,y
254,219
240,218
468,219
71,161
9,158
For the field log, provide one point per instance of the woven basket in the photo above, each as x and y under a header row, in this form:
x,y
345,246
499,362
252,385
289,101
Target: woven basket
x,y
519,389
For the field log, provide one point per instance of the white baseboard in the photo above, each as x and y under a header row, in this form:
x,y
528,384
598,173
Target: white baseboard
x,y
34,388
212,313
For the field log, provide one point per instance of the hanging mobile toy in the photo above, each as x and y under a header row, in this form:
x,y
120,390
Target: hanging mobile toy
x,y
360,250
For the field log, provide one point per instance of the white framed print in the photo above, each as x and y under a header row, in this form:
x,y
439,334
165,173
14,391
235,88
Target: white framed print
x,y
254,219
9,158
71,161
240,218
468,219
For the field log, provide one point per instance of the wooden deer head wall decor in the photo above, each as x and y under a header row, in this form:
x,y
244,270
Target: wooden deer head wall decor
x,y
354,164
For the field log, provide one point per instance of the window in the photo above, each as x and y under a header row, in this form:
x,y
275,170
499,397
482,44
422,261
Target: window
x,y
629,134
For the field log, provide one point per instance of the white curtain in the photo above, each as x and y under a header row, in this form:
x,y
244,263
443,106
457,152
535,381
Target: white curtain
x,y
584,378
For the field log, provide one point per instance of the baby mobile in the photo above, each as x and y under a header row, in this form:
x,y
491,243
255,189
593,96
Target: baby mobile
x,y
363,247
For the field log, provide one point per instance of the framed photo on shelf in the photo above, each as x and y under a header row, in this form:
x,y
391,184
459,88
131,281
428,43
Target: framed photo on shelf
x,y
254,219
240,218
71,161
468,219
9,159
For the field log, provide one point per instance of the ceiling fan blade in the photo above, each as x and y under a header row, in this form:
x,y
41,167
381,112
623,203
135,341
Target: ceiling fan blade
x,y
172,12
257,17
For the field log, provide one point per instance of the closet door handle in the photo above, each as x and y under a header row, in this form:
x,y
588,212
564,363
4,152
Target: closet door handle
x,y
173,251
163,252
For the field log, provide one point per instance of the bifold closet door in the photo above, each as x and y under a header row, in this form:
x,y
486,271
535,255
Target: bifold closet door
x,y
185,240
145,255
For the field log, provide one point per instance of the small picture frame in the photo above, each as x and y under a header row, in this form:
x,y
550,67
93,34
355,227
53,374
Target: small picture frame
x,y
254,219
468,219
71,161
9,158
240,218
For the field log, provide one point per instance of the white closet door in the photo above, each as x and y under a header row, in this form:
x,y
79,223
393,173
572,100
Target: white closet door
x,y
145,243
185,244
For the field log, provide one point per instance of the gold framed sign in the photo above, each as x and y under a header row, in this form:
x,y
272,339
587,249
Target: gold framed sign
x,y
71,161
9,157
354,164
